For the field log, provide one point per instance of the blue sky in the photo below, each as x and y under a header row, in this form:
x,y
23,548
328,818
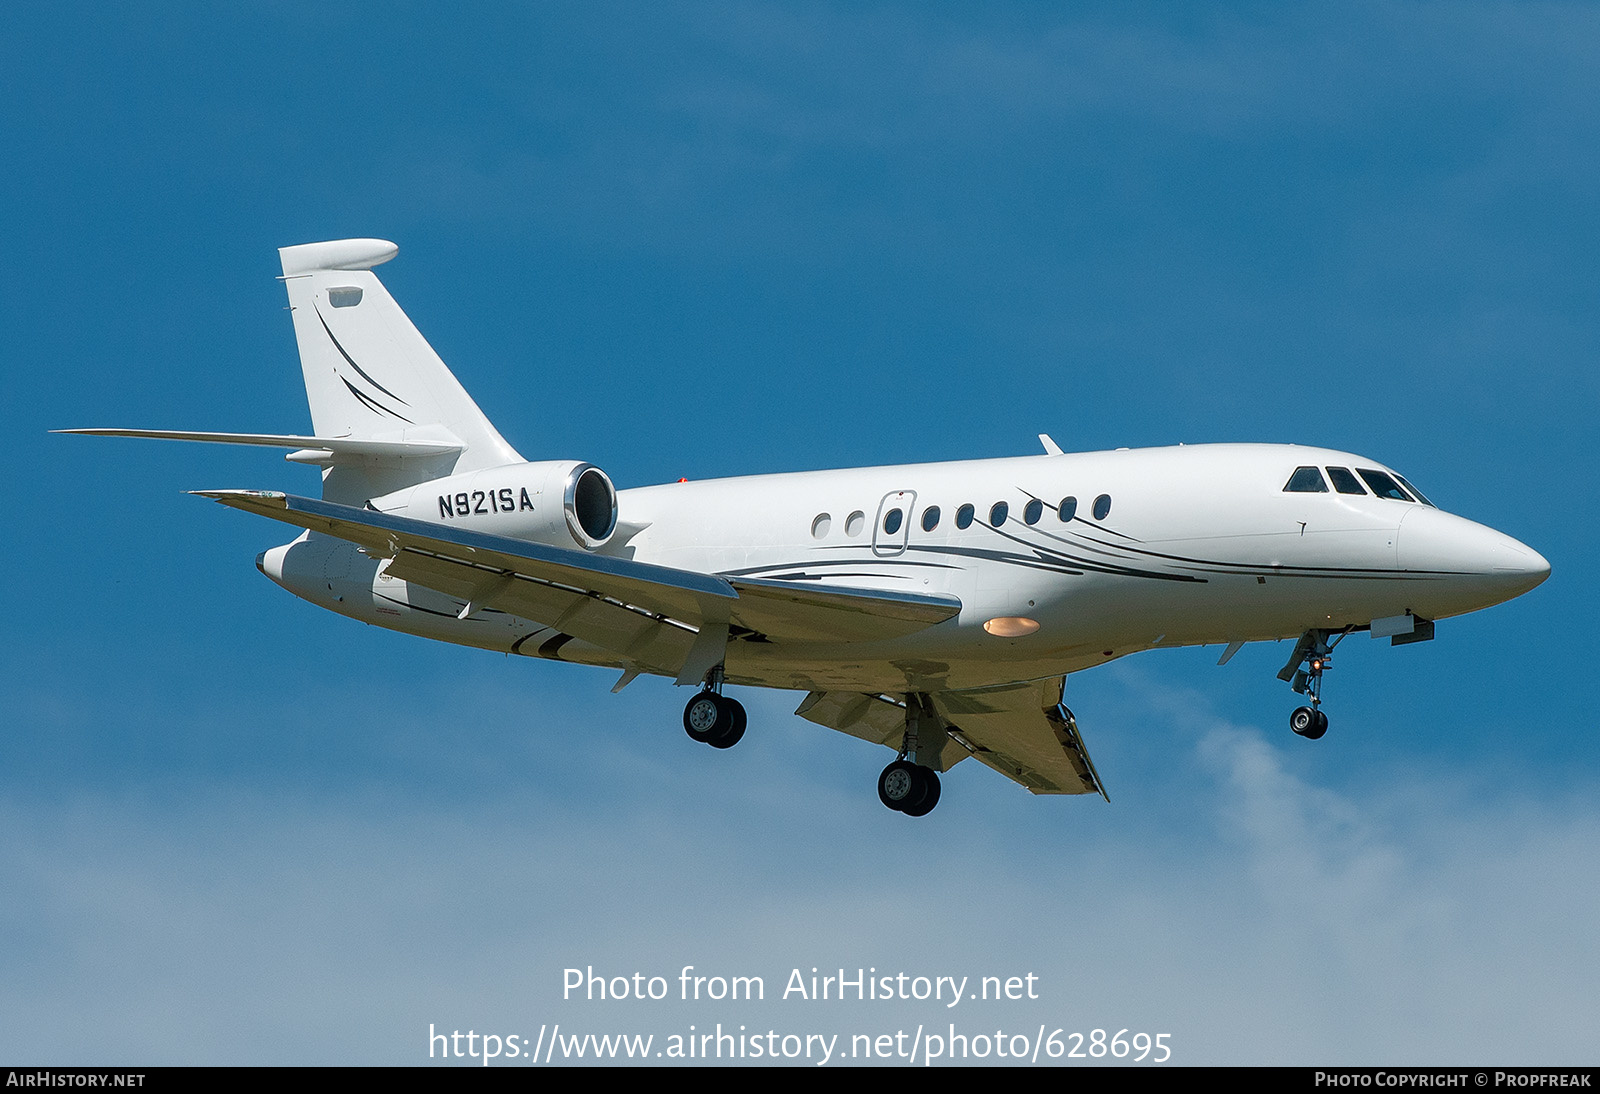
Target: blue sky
x,y
711,240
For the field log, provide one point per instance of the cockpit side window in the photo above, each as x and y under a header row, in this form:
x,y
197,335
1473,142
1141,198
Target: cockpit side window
x,y
1383,484
1306,480
1344,481
1405,482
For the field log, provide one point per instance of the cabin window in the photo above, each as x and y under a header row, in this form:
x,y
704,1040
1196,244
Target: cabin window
x,y
854,523
1306,480
1344,481
930,518
998,514
964,516
1067,510
1033,511
1102,507
1383,484
891,521
820,526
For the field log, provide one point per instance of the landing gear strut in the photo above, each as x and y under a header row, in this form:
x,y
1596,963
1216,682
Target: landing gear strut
x,y
1315,652
905,785
711,717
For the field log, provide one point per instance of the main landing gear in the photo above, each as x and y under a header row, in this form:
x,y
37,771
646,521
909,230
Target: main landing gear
x,y
1315,652
905,785
909,788
712,718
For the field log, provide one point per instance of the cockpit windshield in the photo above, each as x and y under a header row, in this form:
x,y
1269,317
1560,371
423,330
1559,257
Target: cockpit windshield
x,y
1383,484
1414,491
1309,480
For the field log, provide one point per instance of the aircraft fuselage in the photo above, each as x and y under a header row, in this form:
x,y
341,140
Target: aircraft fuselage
x,y
1159,547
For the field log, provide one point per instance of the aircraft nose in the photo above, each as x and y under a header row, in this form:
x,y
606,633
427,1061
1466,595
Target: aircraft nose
x,y
1470,556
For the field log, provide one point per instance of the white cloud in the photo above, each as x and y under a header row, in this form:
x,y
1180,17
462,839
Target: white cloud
x,y
1408,920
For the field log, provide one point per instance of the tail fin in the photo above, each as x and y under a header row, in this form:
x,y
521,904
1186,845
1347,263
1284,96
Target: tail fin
x,y
370,375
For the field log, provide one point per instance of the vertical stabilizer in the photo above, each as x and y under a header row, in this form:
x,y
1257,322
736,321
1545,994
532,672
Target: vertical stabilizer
x,y
370,375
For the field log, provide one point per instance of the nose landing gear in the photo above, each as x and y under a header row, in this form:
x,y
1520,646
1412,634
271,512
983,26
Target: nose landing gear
x,y
1315,652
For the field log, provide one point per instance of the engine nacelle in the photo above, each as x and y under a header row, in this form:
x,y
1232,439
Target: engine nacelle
x,y
559,502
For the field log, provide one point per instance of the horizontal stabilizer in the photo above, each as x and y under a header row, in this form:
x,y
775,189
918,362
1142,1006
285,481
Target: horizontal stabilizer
x,y
324,450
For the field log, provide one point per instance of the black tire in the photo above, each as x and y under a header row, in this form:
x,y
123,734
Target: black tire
x,y
930,794
736,724
1308,723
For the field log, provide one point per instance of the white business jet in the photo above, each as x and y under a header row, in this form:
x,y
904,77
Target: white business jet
x,y
933,608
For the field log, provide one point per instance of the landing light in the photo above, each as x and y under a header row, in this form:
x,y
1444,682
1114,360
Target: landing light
x,y
1011,626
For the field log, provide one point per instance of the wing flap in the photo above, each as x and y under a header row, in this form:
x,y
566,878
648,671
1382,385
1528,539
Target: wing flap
x,y
812,612
1023,732
870,717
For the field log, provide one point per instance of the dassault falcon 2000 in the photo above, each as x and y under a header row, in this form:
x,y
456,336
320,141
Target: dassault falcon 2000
x,y
934,608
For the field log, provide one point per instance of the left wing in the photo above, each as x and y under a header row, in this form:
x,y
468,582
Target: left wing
x,y
1020,730
663,620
